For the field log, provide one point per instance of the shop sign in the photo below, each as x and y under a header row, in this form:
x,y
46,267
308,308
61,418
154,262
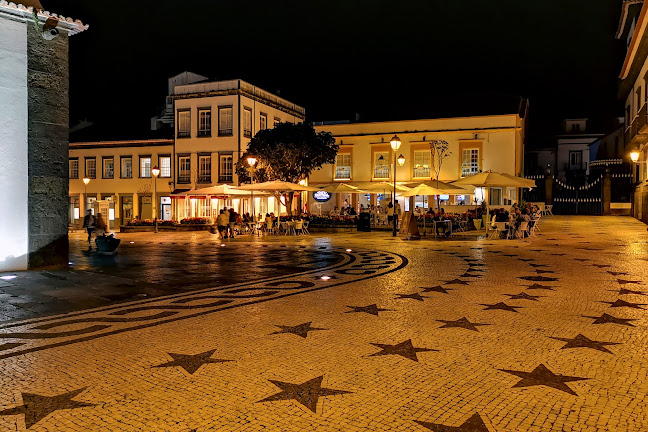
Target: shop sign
x,y
321,196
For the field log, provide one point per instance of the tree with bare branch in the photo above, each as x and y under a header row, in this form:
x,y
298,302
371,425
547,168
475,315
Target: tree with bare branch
x,y
440,150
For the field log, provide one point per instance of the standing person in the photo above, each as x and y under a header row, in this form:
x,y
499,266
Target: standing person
x,y
89,224
232,222
221,222
390,212
100,225
397,213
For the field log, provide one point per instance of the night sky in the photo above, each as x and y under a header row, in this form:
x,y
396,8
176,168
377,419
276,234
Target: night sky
x,y
381,59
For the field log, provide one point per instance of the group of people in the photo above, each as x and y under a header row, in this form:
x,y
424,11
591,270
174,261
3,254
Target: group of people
x,y
516,216
226,221
94,224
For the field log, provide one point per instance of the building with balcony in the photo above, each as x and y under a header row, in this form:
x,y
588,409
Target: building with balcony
x,y
477,144
211,124
573,151
633,89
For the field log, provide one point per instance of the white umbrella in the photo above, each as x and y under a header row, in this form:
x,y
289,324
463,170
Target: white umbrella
x,y
277,186
424,189
449,188
220,190
341,188
378,187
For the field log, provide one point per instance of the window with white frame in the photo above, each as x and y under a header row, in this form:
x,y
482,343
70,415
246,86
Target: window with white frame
x,y
184,169
343,166
263,121
126,167
108,168
381,165
145,166
204,122
204,169
226,169
469,162
74,169
247,122
165,166
422,164
225,121
91,168
184,124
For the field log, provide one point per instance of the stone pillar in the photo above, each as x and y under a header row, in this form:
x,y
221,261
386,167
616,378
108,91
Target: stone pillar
x,y
607,192
48,149
548,189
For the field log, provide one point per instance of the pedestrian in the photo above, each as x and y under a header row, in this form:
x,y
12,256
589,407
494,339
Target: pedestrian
x,y
100,225
222,222
233,216
89,224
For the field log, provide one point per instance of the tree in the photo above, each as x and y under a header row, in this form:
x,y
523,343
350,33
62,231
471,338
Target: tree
x,y
440,150
288,152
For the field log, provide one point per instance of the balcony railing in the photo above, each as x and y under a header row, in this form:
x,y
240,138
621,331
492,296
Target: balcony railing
x,y
381,173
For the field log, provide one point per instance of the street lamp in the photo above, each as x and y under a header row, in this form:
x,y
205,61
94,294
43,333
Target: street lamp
x,y
395,145
251,160
86,180
156,172
634,156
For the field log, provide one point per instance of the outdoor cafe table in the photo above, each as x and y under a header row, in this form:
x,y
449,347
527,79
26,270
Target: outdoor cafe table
x,y
447,222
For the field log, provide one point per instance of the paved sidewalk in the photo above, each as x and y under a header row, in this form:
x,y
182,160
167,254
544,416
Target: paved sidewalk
x,y
351,332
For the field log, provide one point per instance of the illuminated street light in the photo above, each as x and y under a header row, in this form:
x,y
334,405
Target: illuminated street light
x,y
395,145
251,160
401,160
86,180
156,172
395,142
634,155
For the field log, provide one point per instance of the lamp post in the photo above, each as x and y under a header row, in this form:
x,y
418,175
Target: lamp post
x,y
251,160
395,145
156,172
86,180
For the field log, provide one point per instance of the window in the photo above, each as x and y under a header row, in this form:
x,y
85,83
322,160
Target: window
x,y
165,166
422,164
184,169
575,127
204,122
204,169
108,168
91,168
247,122
343,166
639,100
145,166
224,121
469,162
381,165
575,160
184,124
277,120
74,169
495,197
263,121
126,167
226,170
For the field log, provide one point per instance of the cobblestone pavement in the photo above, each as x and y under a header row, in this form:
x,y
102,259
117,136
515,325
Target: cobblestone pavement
x,y
373,334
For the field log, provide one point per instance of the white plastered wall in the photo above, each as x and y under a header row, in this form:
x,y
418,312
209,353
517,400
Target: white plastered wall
x,y
13,146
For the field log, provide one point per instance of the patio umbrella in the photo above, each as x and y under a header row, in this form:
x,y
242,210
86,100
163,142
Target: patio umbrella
x,y
277,186
424,189
378,187
528,182
220,190
448,188
340,188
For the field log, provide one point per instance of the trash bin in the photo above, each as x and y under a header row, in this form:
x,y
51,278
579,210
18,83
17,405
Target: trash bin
x,y
364,222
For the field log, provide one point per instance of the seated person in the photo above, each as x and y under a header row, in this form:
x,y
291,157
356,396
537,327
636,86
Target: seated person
x,y
335,212
501,216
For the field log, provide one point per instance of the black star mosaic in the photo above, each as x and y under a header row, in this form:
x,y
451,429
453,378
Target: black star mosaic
x,y
473,424
541,271
191,363
307,393
455,282
624,282
403,349
537,286
415,296
36,407
523,296
623,303
623,291
581,341
299,330
500,306
462,323
372,309
616,273
609,319
437,288
465,275
541,375
538,278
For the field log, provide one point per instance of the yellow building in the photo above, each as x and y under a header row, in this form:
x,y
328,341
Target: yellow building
x,y
214,122
633,88
476,144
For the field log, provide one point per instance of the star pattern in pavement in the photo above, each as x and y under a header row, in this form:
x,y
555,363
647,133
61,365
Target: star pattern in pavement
x,y
624,281
538,265
465,275
523,296
541,271
526,259
538,278
191,363
307,393
299,330
403,349
501,306
623,303
473,424
601,265
581,341
539,286
541,375
462,323
437,288
455,282
609,319
617,273
414,296
372,309
623,291
36,407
